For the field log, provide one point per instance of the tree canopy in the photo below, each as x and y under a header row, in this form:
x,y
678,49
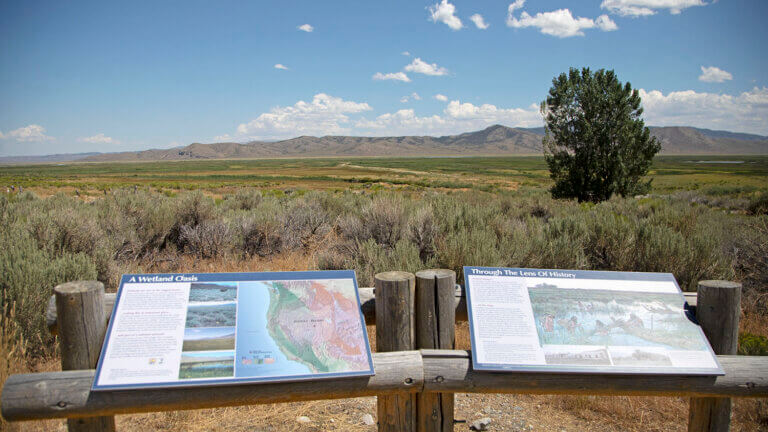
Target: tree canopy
x,y
596,143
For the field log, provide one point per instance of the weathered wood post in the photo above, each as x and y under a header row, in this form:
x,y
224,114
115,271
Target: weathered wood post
x,y
395,297
435,329
81,329
718,307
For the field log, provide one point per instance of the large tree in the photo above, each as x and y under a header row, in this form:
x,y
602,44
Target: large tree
x,y
596,143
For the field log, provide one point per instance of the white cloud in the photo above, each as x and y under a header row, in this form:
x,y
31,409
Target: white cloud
x,y
281,66
441,97
605,23
746,112
324,115
422,67
560,23
406,53
414,96
456,118
397,76
31,133
714,74
98,139
445,12
636,8
306,28
479,21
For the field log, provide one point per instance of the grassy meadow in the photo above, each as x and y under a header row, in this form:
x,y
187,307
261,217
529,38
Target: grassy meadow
x,y
705,218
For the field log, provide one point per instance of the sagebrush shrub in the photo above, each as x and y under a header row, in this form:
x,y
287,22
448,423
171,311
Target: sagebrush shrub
x,y
208,239
28,275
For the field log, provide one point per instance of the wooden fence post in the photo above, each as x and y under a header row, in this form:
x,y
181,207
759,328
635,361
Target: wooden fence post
x,y
395,296
435,329
81,329
718,307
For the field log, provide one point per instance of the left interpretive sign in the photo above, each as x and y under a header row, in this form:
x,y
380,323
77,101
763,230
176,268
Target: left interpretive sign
x,y
171,330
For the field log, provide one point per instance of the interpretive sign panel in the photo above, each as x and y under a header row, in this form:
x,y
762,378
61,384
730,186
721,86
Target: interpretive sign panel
x,y
583,321
171,330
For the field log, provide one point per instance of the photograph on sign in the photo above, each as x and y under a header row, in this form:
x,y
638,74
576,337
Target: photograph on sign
x,y
583,321
172,330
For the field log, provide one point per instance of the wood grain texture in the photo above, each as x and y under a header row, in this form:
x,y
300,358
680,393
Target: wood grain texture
x,y
82,326
452,371
718,311
395,292
67,394
435,329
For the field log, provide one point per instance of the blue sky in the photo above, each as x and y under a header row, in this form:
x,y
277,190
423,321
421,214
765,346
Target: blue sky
x,y
114,76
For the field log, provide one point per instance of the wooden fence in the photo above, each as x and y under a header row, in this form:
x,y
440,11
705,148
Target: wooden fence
x,y
417,369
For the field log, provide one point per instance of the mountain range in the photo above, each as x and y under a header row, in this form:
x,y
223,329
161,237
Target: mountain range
x,y
494,140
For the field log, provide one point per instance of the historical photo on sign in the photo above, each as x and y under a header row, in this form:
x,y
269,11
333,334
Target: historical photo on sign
x,y
583,321
603,317
172,330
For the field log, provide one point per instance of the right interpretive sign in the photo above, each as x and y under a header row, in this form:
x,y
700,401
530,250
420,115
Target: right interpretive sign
x,y
583,321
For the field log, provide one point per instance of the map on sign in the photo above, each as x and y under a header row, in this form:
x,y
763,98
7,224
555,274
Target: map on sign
x,y
583,321
200,329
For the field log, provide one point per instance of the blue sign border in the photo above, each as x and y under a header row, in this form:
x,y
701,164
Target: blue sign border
x,y
582,274
236,277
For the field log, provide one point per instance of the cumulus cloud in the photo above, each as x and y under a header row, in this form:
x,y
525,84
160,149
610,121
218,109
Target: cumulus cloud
x,y
31,133
281,66
479,21
415,96
456,118
445,12
637,8
441,97
745,112
420,66
406,53
605,23
560,23
396,76
306,28
98,139
324,115
714,74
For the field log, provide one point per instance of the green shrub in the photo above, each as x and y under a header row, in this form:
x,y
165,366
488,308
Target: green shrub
x,y
759,205
375,258
753,345
27,278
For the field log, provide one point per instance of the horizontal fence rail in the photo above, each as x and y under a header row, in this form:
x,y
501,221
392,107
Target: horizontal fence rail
x,y
53,395
367,304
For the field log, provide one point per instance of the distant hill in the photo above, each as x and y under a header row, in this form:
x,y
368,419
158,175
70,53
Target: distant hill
x,y
494,140
688,140
45,159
